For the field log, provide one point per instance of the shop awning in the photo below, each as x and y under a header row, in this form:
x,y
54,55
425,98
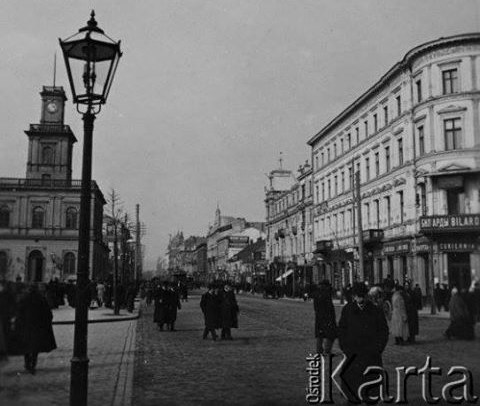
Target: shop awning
x,y
288,273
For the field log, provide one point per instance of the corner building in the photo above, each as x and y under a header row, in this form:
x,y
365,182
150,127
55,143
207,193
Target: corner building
x,y
414,136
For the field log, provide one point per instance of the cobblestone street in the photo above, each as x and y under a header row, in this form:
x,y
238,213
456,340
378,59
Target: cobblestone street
x,y
265,364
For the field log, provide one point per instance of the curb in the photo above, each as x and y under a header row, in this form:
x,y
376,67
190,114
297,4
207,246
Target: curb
x,y
107,320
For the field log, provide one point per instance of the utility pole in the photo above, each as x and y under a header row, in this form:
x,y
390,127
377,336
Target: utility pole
x,y
138,254
358,199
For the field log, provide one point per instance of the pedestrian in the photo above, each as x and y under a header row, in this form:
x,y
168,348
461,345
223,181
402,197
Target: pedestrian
x,y
411,306
418,296
438,297
325,321
210,305
476,295
161,302
100,294
377,297
228,312
7,307
34,326
399,325
446,296
173,305
363,335
460,319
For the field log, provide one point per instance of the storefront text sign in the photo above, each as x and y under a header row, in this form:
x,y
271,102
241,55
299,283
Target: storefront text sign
x,y
457,246
454,222
396,248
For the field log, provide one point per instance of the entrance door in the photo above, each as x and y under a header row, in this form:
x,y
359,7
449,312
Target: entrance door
x,y
35,266
459,274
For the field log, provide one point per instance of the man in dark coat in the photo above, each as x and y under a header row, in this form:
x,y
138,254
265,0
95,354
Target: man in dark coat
x,y
34,327
173,305
363,335
411,305
325,322
228,312
210,306
161,300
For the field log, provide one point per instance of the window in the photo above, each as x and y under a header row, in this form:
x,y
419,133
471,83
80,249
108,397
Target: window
x,y
450,81
38,217
418,85
343,182
342,221
329,189
421,141
4,217
322,161
375,122
323,191
334,150
365,123
349,219
453,133
335,224
389,210
454,201
399,105
400,151
385,114
46,178
349,141
367,168
357,135
316,161
71,218
423,197
317,192
335,185
341,146
367,215
328,154
47,155
350,177
401,205
387,159
69,263
377,213
377,164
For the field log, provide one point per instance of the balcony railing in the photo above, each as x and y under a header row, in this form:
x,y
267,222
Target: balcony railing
x,y
51,128
19,183
450,223
372,235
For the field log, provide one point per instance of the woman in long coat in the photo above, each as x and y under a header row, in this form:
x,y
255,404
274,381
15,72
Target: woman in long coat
x,y
460,318
34,327
399,325
325,322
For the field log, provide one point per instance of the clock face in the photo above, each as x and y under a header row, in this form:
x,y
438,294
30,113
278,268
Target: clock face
x,y
52,107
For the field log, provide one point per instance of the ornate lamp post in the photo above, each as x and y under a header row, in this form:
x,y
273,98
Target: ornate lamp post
x,y
91,59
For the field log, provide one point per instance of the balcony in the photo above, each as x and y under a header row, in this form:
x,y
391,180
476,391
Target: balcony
x,y
323,246
19,183
371,236
453,223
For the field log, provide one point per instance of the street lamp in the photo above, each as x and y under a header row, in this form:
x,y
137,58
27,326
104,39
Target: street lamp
x,y
91,59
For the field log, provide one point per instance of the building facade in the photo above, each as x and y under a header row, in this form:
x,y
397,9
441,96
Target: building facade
x,y
414,139
39,214
289,243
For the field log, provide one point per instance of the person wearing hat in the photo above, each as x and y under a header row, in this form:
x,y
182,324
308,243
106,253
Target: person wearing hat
x,y
325,322
210,306
363,335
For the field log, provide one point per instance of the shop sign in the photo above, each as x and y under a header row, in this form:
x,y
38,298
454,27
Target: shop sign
x,y
456,246
396,248
422,247
450,182
452,222
238,241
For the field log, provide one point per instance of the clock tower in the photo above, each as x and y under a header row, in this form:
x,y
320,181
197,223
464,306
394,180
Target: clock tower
x,y
51,142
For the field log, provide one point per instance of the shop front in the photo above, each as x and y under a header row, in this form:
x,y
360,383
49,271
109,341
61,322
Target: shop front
x,y
396,254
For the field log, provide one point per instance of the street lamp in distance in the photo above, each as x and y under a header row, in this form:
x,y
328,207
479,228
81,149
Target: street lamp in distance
x,y
91,59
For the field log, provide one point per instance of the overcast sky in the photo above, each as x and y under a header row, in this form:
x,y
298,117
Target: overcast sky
x,y
208,92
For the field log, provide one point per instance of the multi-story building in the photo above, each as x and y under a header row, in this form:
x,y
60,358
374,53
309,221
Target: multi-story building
x,y
289,242
414,137
227,236
39,214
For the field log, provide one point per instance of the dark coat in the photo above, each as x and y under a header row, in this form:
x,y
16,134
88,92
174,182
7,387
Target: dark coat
x,y
34,324
162,302
228,309
363,335
173,304
210,305
325,323
411,306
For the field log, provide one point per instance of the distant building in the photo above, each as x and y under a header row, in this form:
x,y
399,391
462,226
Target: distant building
x,y
414,137
39,214
227,236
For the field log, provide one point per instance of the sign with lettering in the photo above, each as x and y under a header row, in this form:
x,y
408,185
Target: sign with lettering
x,y
450,223
238,241
456,246
450,182
398,247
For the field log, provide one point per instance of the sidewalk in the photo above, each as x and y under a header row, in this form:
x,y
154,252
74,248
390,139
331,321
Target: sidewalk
x,y
66,314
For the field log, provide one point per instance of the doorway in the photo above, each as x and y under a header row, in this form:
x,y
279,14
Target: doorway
x,y
35,266
459,273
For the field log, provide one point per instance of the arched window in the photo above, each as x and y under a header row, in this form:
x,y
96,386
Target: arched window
x,y
38,217
3,265
47,155
71,218
4,217
69,263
